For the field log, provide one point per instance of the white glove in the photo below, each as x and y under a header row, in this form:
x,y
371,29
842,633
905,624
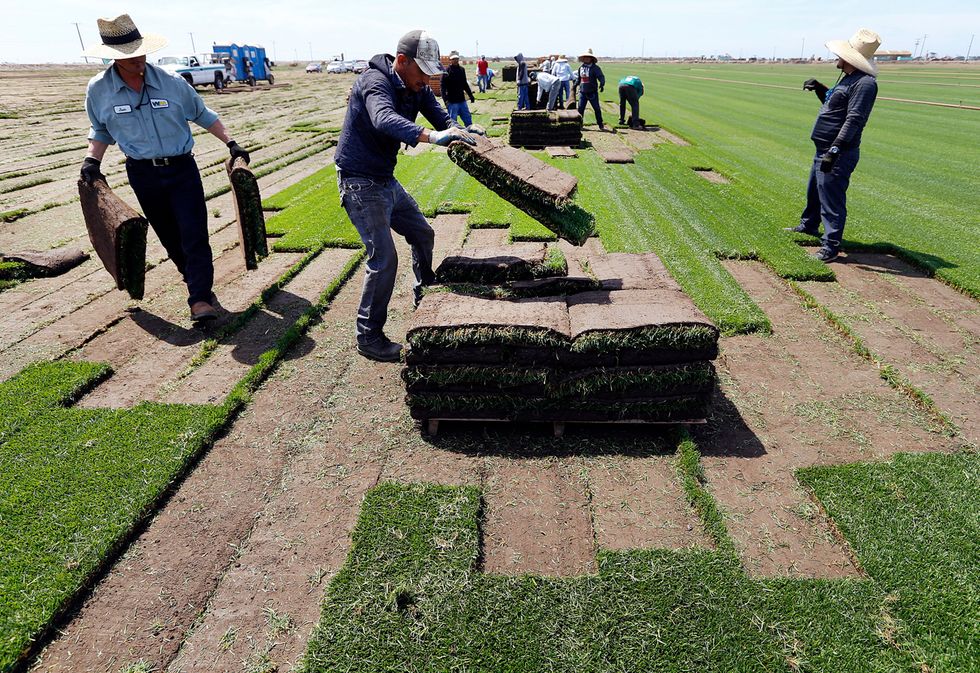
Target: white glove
x,y
443,138
476,130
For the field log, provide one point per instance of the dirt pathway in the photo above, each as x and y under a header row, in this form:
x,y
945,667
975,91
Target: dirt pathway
x,y
793,399
926,330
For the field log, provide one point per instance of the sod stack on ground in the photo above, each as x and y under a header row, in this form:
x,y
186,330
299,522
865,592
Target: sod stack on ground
x,y
510,271
248,212
539,189
118,234
641,354
541,128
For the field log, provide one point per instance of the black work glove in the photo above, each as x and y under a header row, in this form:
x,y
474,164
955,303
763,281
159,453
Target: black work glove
x,y
602,87
237,151
828,160
816,87
92,170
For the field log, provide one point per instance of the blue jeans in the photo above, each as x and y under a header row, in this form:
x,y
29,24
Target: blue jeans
x,y
376,208
523,101
481,81
826,196
459,110
593,98
172,199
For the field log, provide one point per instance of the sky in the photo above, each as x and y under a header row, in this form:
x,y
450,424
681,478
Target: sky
x,y
43,31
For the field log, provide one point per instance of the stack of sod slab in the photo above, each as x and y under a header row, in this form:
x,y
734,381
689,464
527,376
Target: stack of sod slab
x,y
539,189
510,271
541,128
637,351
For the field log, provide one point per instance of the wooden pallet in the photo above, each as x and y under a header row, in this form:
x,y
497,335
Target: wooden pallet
x,y
432,424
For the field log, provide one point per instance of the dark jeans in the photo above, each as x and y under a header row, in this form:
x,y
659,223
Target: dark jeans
x,y
826,196
593,98
376,208
172,199
629,94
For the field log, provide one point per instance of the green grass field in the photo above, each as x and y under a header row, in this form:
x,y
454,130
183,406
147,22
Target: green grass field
x,y
411,594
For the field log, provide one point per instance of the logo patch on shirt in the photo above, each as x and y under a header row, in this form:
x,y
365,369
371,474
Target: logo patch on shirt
x,y
122,109
159,103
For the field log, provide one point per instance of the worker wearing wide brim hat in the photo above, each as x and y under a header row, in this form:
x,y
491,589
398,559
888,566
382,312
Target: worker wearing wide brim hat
x,y
590,81
836,134
146,111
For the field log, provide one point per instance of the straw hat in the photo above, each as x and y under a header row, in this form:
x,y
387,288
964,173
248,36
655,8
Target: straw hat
x,y
588,54
454,56
122,39
858,50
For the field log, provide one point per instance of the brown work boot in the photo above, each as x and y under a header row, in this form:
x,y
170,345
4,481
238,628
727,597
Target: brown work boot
x,y
202,311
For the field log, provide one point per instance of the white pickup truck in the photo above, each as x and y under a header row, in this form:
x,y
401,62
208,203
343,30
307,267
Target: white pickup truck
x,y
198,69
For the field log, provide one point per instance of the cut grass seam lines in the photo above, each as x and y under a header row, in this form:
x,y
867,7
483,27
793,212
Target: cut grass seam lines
x,y
692,477
886,371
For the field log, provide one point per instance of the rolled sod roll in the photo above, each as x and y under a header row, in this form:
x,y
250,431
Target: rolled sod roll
x,y
118,234
248,212
539,189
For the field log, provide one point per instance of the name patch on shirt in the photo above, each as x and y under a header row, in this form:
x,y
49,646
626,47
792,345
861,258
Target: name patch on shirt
x,y
122,109
159,103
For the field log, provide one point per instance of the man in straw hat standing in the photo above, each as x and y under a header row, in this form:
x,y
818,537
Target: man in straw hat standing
x,y
147,111
384,103
590,82
837,136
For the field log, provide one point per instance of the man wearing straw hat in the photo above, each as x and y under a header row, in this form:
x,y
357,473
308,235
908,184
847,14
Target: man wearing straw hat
x,y
590,82
837,136
146,110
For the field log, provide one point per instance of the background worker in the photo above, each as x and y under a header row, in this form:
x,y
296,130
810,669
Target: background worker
x,y
523,82
545,65
630,90
563,72
482,67
383,105
146,110
455,90
837,137
591,82
548,85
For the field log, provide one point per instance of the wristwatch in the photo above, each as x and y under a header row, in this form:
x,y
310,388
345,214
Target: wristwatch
x,y
834,150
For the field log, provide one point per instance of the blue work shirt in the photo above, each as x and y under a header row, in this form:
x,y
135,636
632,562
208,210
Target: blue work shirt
x,y
845,112
150,124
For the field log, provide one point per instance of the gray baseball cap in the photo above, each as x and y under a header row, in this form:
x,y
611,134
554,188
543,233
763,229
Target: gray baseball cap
x,y
423,49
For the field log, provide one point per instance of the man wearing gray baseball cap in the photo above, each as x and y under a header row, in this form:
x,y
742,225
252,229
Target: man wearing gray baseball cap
x,y
384,103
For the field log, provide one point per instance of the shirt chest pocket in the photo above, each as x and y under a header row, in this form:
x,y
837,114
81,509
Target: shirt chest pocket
x,y
837,100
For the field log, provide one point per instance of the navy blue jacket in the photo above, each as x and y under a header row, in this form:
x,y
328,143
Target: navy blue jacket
x,y
846,110
380,116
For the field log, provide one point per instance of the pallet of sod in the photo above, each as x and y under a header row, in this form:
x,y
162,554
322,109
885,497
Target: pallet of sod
x,y
543,128
499,264
639,355
539,189
248,212
118,234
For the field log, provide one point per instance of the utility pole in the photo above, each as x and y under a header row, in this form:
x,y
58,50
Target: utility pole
x,y
193,48
643,48
78,30
802,48
968,49
924,53
477,54
311,50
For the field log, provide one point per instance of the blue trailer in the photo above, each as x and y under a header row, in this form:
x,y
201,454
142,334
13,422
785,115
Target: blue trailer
x,y
248,63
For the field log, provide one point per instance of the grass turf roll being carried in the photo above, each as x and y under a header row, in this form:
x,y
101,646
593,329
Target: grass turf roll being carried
x,y
118,234
248,212
539,189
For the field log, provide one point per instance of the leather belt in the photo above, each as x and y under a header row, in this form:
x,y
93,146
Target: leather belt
x,y
161,161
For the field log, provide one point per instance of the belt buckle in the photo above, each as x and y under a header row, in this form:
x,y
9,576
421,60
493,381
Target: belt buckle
x,y
161,161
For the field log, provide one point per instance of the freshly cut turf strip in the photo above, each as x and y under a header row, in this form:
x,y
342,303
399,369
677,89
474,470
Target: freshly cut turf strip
x,y
498,264
248,212
540,190
48,263
637,319
118,234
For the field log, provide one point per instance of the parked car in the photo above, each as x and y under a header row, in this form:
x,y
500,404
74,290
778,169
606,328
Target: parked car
x,y
349,65
313,67
360,66
336,67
